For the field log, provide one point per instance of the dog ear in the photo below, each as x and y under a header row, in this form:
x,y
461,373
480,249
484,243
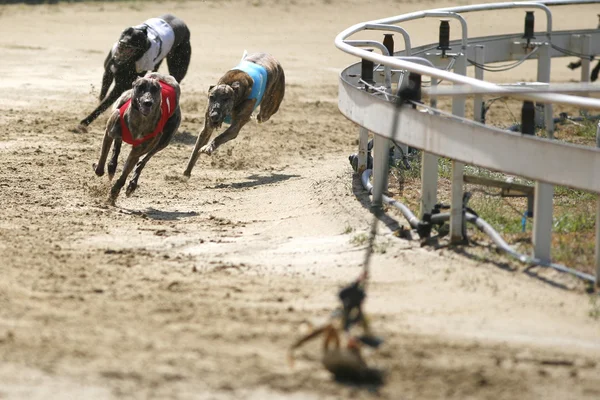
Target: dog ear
x,y
127,31
136,80
210,88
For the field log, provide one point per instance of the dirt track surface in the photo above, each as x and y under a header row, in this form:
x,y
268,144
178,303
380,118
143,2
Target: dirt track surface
x,y
195,289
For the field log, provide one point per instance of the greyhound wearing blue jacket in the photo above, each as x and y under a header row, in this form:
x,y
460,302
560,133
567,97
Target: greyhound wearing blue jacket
x,y
258,80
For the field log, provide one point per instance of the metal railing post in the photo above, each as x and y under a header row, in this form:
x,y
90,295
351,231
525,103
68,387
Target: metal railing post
x,y
478,99
381,154
543,75
429,172
456,199
586,46
363,144
544,192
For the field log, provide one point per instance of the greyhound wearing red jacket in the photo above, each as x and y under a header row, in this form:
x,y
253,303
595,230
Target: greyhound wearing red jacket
x,y
146,116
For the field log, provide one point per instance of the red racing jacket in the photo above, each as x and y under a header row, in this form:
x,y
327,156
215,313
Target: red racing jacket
x,y
168,106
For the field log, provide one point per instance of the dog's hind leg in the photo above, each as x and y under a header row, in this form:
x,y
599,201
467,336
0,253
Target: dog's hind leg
x,y
273,97
178,60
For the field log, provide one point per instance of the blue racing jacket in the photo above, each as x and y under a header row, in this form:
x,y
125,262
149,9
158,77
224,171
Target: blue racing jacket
x,y
258,73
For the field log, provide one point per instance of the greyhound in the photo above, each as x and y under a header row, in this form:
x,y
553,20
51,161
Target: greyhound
x,y
146,116
141,49
257,80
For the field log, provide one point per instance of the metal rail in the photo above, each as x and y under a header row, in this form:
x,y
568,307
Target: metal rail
x,y
546,161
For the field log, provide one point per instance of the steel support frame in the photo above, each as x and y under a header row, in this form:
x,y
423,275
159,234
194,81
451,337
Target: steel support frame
x,y
456,198
544,192
429,172
478,98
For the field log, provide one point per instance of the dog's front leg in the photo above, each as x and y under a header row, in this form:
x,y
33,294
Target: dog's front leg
x,y
132,159
202,139
114,159
112,127
240,117
133,183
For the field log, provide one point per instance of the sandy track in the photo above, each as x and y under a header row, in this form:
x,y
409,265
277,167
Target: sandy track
x,y
195,289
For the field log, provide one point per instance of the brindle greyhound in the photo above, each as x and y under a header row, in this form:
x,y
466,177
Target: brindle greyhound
x,y
259,76
141,49
146,116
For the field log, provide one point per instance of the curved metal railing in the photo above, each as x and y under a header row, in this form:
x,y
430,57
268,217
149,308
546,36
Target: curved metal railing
x,y
371,104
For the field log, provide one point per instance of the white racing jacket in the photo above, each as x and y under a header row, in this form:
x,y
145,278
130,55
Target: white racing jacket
x,y
161,37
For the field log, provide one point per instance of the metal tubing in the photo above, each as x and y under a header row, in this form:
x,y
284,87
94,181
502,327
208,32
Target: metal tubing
x,y
542,220
484,226
410,217
340,42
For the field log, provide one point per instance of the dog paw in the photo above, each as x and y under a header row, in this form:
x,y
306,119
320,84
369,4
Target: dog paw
x,y
130,188
80,129
208,149
99,171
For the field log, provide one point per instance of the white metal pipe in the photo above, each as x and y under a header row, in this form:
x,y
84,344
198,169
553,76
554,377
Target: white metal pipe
x,y
394,28
510,89
441,74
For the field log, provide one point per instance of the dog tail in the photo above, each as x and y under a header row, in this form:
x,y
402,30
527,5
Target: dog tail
x,y
244,55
